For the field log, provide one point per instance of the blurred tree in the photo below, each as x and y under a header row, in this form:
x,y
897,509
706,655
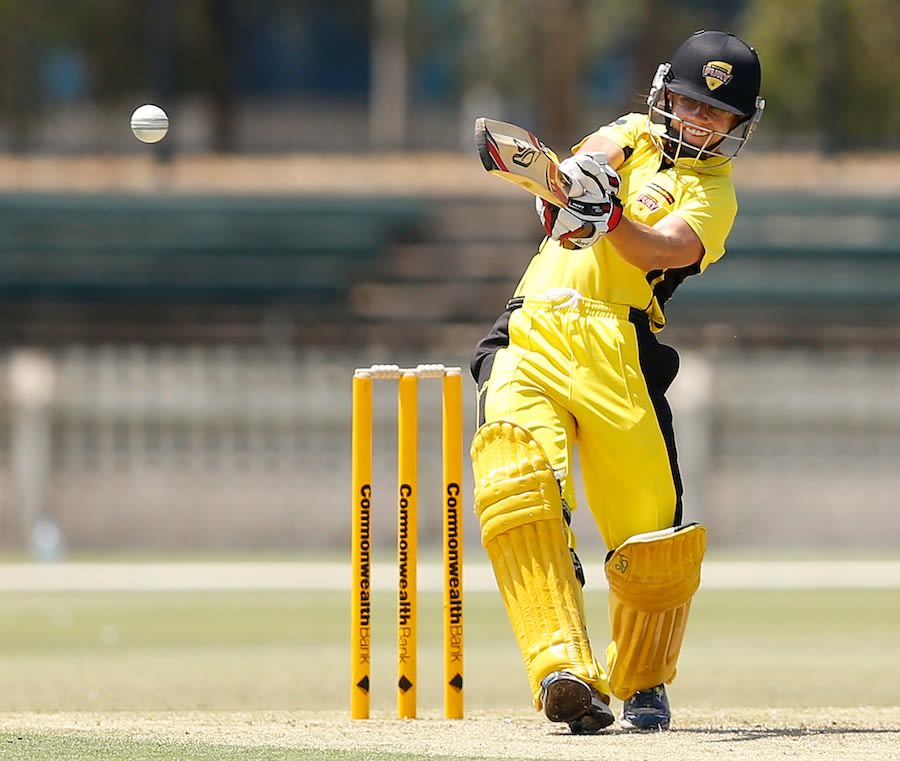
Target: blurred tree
x,y
224,35
162,49
660,26
561,47
389,85
559,66
830,73
20,24
554,64
535,56
160,54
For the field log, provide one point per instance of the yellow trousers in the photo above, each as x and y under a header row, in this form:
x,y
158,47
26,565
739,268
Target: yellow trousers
x,y
589,374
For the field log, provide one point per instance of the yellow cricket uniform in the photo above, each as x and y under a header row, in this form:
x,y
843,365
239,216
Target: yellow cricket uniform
x,y
575,359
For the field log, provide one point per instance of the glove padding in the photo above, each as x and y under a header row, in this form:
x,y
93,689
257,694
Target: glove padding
x,y
593,208
582,231
591,176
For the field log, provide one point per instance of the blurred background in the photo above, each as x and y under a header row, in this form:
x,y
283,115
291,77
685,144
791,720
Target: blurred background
x,y
179,322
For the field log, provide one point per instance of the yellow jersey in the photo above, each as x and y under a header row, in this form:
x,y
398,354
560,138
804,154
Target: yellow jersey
x,y
652,187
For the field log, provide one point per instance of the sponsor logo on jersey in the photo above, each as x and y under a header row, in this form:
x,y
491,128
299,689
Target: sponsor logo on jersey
x,y
649,201
654,197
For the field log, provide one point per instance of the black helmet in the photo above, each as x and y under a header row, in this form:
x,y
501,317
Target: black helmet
x,y
718,69
715,68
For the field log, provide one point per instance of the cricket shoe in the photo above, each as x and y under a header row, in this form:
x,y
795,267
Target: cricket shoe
x,y
647,710
567,698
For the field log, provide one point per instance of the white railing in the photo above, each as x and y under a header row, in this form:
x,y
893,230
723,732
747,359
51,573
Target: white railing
x,y
211,447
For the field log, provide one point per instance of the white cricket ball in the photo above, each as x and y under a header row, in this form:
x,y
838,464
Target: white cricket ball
x,y
149,123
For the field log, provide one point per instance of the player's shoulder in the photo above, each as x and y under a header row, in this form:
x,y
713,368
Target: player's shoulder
x,y
625,131
719,184
715,190
713,175
631,122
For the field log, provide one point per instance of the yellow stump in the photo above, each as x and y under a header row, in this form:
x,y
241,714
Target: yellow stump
x,y
453,545
407,544
360,653
407,536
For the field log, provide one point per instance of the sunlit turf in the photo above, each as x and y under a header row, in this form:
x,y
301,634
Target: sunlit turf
x,y
262,650
53,747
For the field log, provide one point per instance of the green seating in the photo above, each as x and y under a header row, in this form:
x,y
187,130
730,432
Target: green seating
x,y
789,256
192,250
797,252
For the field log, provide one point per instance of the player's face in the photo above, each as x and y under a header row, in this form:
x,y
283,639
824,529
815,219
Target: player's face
x,y
697,121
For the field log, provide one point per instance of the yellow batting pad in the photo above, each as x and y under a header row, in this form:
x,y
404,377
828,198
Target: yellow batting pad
x,y
519,508
652,579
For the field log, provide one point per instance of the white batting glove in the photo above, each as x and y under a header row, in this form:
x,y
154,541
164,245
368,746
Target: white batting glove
x,y
593,208
591,176
576,229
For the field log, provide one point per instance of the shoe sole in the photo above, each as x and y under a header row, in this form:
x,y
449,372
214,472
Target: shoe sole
x,y
659,726
567,700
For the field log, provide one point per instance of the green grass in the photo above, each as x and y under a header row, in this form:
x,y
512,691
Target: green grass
x,y
216,651
262,650
33,747
288,651
834,648
17,747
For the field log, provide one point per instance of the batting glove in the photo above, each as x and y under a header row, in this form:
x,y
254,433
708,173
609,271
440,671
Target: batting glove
x,y
593,208
591,176
576,230
579,229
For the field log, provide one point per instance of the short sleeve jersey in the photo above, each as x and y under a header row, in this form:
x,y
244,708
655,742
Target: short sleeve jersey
x,y
652,187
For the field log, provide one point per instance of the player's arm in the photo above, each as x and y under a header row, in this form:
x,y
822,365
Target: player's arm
x,y
671,242
615,155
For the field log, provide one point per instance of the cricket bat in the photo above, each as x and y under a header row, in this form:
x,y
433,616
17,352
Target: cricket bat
x,y
516,155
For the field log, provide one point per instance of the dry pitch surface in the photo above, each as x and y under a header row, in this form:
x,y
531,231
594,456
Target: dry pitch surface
x,y
736,734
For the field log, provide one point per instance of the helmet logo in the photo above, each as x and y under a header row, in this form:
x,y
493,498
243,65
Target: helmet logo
x,y
716,74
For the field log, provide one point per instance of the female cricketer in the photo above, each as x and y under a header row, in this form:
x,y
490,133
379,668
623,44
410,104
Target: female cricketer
x,y
574,361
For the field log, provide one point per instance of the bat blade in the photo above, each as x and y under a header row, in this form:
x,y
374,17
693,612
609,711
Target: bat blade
x,y
516,155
